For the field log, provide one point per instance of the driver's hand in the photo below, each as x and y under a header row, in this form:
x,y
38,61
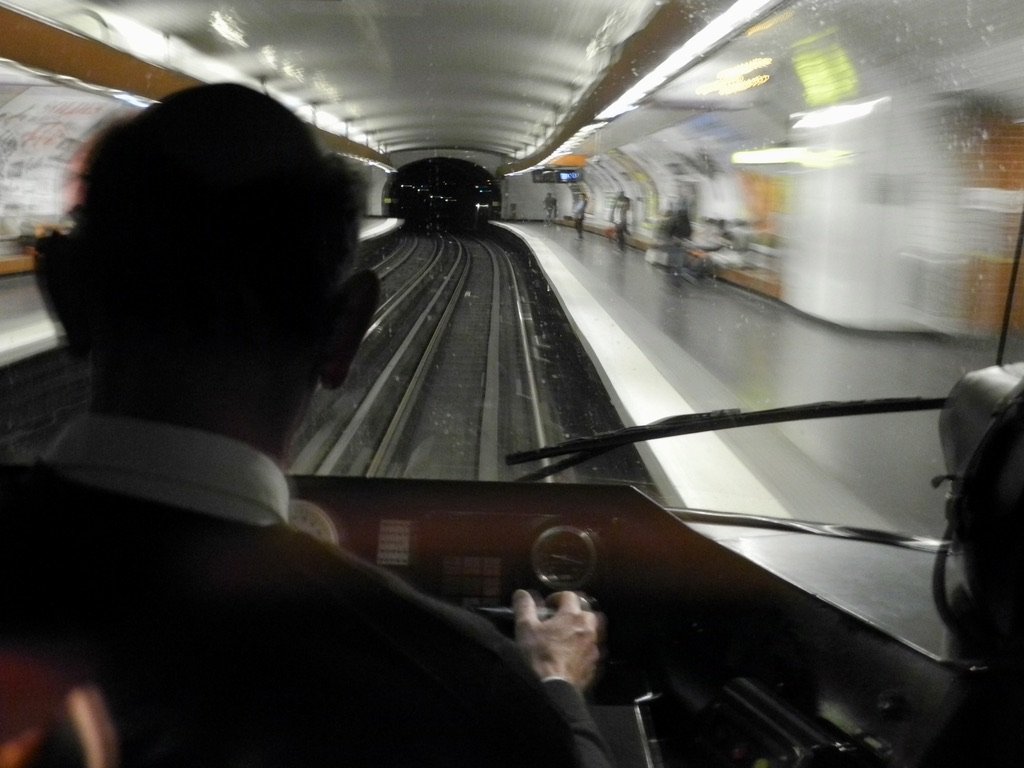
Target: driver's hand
x,y
566,644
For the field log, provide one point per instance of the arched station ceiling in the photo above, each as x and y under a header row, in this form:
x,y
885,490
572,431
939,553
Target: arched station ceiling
x,y
512,78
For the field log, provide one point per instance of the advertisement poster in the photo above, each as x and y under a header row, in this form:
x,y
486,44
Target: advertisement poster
x,y
41,131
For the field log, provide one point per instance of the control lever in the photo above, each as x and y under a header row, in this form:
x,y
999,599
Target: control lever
x,y
503,614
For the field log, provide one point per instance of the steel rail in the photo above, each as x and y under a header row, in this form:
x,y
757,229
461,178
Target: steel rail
x,y
488,460
310,457
397,257
390,305
369,401
410,397
524,319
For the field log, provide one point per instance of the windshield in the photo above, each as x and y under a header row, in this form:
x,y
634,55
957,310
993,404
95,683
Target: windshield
x,y
593,215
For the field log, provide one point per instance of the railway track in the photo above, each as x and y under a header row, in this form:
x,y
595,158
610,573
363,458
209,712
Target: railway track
x,y
453,373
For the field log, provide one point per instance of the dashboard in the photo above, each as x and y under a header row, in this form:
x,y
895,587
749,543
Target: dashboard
x,y
726,645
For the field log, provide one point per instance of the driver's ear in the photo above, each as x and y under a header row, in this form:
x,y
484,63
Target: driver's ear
x,y
60,259
351,315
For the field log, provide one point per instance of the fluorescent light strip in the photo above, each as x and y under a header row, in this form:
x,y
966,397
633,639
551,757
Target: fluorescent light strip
x,y
149,45
841,113
809,158
720,28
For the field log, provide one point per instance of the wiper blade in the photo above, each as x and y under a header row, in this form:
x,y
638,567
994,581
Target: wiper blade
x,y
905,541
691,423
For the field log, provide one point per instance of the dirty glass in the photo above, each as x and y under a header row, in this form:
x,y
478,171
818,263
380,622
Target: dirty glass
x,y
852,173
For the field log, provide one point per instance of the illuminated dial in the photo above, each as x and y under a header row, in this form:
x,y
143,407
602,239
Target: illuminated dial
x,y
564,557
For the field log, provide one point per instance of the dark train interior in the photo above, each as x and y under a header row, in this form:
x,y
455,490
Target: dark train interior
x,y
781,454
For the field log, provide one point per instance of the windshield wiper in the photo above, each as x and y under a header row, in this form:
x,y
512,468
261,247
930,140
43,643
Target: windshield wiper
x,y
905,541
584,448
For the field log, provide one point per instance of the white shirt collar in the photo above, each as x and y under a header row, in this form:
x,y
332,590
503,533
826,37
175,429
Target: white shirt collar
x,y
188,468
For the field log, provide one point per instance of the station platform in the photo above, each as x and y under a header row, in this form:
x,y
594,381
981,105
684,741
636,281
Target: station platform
x,y
667,344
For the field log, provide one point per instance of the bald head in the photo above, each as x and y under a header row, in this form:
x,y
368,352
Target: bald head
x,y
207,268
227,135
215,209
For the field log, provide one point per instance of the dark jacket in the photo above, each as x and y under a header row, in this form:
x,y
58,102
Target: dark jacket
x,y
219,644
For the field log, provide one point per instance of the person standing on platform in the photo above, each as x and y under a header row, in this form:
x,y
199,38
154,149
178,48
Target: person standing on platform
x,y
209,279
680,227
579,210
620,217
550,208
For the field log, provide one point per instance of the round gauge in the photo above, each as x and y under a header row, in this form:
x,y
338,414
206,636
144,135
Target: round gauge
x,y
564,557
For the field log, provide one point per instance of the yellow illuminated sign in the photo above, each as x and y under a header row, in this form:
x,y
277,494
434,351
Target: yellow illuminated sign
x,y
735,80
825,70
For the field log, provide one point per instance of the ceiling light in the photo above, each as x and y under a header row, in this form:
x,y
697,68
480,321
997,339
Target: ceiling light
x,y
293,71
142,41
738,71
729,87
808,158
133,100
735,18
228,27
735,80
767,24
268,54
620,107
838,114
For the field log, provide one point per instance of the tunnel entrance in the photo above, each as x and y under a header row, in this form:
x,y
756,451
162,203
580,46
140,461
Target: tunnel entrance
x,y
442,193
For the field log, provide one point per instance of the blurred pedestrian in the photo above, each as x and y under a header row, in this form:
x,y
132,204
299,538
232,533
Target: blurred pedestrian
x,y
579,210
620,217
550,208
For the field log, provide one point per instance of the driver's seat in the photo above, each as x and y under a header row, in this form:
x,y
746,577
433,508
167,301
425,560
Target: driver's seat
x,y
982,432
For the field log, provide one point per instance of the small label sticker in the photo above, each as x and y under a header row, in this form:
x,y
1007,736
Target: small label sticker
x,y
394,542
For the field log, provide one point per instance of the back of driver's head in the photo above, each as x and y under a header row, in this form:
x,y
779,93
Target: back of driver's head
x,y
215,212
